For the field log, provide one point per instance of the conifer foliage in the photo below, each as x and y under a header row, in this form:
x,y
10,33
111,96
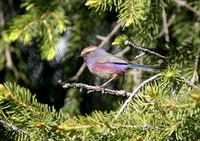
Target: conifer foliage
x,y
39,43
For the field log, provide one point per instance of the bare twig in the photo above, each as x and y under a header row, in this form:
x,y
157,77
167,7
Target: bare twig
x,y
12,8
144,127
165,27
107,38
14,128
128,43
140,55
195,66
184,4
188,82
122,52
100,37
134,93
9,63
79,72
103,42
170,21
98,89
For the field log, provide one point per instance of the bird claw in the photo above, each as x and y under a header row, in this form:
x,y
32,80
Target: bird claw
x,y
98,88
102,89
90,91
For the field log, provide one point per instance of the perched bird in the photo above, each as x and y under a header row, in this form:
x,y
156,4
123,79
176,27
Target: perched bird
x,y
108,66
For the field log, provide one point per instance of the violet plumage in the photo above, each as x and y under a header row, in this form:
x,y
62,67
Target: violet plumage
x,y
106,65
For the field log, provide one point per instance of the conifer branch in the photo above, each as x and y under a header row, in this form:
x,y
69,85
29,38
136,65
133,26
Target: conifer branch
x,y
49,33
77,127
14,128
21,103
134,93
91,88
155,109
115,126
42,17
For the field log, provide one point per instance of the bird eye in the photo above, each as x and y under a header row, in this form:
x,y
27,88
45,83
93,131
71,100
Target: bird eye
x,y
87,53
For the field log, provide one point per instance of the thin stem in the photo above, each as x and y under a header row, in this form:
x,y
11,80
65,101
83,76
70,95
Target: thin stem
x,y
189,83
134,93
14,128
165,27
128,43
184,4
195,66
98,89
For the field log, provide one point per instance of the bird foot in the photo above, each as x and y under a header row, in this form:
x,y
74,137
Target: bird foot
x,y
97,88
102,89
90,91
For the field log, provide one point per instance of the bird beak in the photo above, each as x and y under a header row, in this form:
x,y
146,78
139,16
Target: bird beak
x,y
78,56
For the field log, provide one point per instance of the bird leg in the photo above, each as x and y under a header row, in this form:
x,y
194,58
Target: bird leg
x,y
122,81
102,86
106,83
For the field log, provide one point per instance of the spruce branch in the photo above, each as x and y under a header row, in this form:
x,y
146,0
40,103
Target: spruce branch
x,y
103,42
14,128
134,93
27,26
128,43
78,127
114,126
91,88
42,17
21,103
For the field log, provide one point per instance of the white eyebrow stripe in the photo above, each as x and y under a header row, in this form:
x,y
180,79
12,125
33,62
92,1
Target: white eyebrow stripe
x,y
88,50
91,49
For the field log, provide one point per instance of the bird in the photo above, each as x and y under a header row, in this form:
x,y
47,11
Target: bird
x,y
108,66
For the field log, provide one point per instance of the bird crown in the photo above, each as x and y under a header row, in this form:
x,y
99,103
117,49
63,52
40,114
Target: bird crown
x,y
88,50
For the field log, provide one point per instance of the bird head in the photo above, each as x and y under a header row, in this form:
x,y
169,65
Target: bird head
x,y
89,51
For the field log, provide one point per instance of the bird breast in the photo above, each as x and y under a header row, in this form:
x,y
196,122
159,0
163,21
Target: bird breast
x,y
107,70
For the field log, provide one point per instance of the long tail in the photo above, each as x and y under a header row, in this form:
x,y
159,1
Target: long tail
x,y
145,67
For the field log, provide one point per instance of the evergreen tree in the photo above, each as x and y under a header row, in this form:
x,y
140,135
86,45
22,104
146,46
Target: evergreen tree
x,y
39,43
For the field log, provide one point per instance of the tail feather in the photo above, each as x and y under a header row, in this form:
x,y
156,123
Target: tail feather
x,y
145,67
